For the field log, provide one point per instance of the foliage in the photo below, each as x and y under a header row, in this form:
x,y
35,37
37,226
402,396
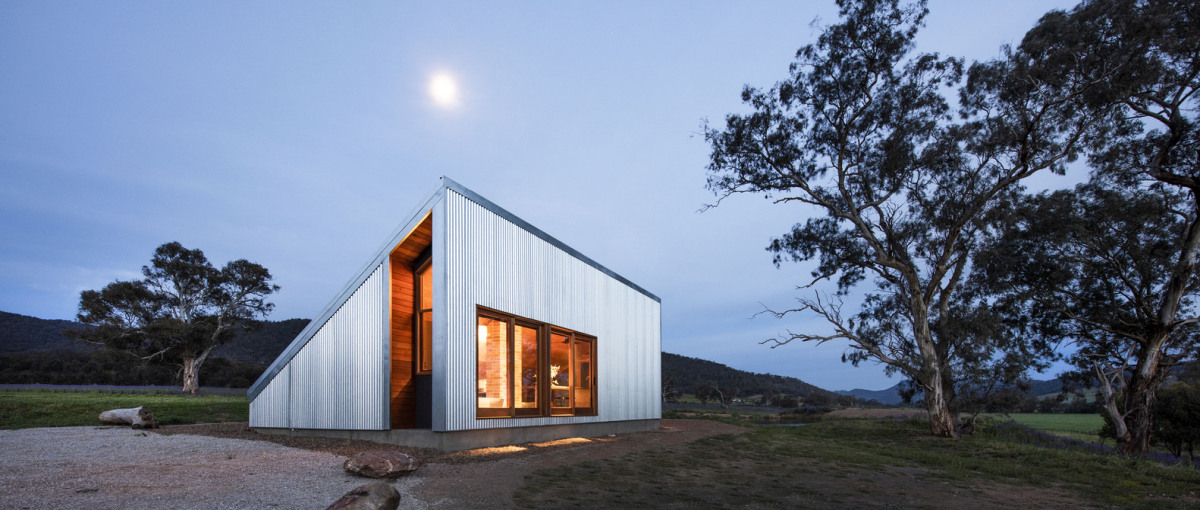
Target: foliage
x,y
857,463
785,401
1111,265
670,392
861,132
705,392
180,311
1177,419
38,408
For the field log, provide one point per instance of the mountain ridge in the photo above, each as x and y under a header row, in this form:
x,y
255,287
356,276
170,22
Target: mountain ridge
x,y
33,348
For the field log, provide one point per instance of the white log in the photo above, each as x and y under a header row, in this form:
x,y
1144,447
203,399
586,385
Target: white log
x,y
138,417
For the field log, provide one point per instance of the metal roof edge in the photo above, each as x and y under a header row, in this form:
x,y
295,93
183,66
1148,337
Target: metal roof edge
x,y
302,339
491,206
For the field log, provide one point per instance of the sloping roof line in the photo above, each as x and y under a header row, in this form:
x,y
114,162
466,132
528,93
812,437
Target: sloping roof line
x,y
415,217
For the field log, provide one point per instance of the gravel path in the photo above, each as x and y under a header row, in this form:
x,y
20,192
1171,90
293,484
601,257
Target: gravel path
x,y
121,468
229,466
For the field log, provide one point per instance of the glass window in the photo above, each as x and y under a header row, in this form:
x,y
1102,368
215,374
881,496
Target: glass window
x,y
492,388
528,368
560,373
425,318
582,365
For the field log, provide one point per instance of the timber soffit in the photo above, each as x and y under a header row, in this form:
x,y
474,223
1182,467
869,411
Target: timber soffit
x,y
414,218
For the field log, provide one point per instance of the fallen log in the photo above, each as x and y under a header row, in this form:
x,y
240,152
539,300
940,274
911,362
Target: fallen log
x,y
138,417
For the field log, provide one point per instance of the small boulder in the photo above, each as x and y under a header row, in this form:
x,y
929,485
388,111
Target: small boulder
x,y
381,464
372,496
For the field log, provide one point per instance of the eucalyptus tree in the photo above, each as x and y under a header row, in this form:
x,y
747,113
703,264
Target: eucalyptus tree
x,y
180,311
1092,266
862,131
1112,267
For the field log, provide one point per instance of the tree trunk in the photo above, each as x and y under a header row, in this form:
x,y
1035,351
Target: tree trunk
x,y
191,375
932,379
191,370
1138,421
941,420
1111,407
138,417
1140,396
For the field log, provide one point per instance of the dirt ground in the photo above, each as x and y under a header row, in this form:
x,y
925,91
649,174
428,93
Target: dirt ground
x,y
484,477
487,477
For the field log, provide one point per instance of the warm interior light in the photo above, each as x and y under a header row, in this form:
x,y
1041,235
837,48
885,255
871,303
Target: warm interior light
x,y
562,442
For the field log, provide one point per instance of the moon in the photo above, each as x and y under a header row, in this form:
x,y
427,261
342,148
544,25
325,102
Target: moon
x,y
444,90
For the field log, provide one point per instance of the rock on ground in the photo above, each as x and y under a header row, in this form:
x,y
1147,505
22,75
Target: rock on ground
x,y
381,464
372,496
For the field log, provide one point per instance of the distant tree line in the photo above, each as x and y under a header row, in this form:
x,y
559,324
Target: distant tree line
x,y
36,351
111,367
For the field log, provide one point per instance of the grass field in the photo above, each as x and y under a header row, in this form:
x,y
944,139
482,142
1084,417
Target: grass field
x,y
1084,427
1050,422
41,408
858,463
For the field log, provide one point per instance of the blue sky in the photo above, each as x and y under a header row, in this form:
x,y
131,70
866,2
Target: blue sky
x,y
298,135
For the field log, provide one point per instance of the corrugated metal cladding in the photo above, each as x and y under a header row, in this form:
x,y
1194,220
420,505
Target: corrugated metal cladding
x,y
338,379
270,408
493,262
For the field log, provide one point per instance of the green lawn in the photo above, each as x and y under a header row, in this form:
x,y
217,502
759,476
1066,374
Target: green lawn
x,y
40,408
855,463
1077,426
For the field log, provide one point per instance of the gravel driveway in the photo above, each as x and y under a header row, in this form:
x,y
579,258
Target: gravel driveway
x,y
121,468
229,466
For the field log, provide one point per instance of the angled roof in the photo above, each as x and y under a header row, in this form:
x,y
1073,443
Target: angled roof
x,y
413,218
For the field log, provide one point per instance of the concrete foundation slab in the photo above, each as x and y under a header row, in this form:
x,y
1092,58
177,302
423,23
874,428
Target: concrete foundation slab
x,y
468,439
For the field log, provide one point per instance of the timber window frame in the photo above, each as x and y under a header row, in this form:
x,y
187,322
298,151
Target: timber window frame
x,y
423,314
541,378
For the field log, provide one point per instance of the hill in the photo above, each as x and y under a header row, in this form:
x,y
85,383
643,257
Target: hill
x,y
263,345
888,396
1037,388
686,373
36,351
22,333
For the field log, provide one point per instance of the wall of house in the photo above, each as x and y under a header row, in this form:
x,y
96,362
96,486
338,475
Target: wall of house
x,y
338,378
491,261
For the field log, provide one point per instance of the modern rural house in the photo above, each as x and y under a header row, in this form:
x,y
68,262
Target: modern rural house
x,y
470,327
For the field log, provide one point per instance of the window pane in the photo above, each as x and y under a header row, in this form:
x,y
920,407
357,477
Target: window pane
x,y
425,319
584,373
426,342
426,287
525,365
492,371
560,371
